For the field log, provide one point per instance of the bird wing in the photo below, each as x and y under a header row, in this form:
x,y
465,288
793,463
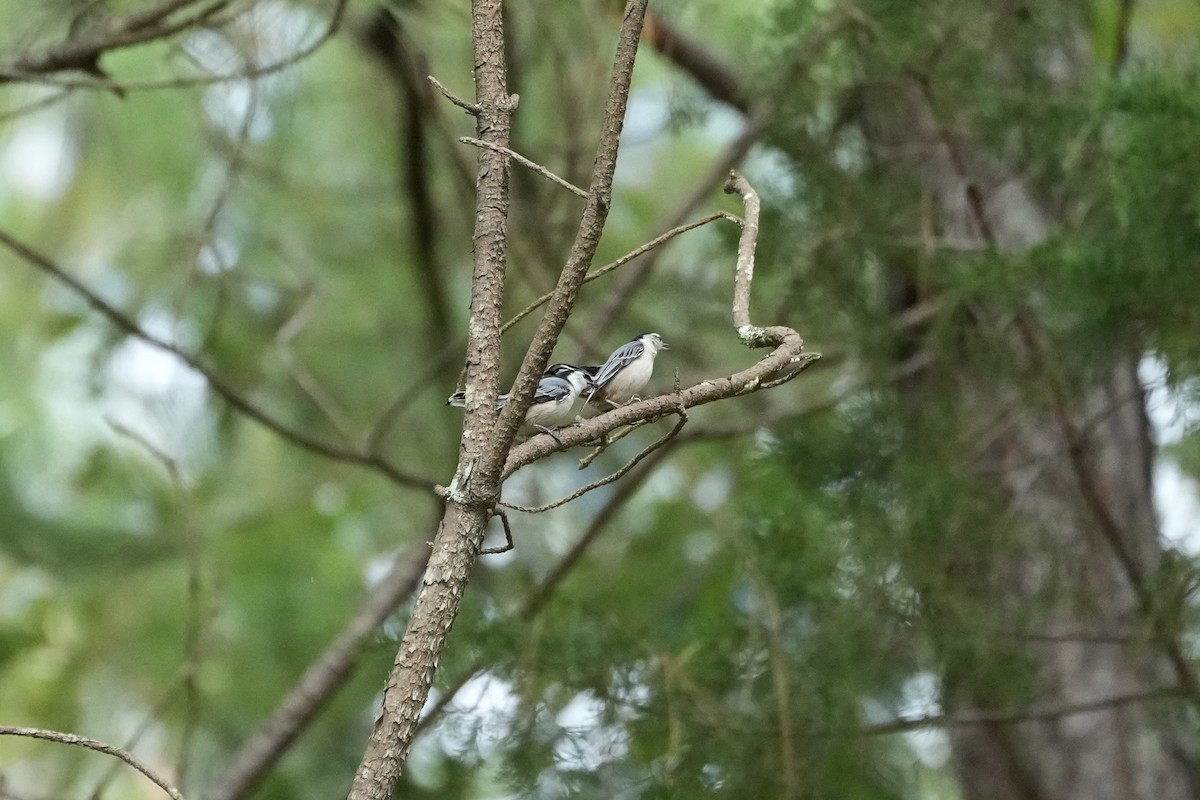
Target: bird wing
x,y
622,357
551,389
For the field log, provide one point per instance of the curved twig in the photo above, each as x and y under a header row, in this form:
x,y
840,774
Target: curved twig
x,y
239,403
8,73
789,353
607,479
99,747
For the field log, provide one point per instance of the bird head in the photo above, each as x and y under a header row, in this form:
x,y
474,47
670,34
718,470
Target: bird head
x,y
653,342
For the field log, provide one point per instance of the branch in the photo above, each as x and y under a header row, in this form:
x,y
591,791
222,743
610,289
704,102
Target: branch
x,y
744,275
607,479
473,491
719,79
1121,45
84,53
324,677
587,238
540,596
470,108
788,356
711,71
102,81
620,295
623,260
385,38
533,165
99,747
1043,714
236,401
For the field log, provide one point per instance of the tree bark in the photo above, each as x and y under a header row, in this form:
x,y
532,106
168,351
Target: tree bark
x,y
486,439
456,544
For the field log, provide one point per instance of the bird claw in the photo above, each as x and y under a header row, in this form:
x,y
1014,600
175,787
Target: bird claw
x,y
550,431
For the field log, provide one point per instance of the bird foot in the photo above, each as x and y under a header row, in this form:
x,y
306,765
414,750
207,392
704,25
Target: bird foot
x,y
550,431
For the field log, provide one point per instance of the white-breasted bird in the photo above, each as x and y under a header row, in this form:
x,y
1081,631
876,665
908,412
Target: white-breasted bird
x,y
626,372
556,402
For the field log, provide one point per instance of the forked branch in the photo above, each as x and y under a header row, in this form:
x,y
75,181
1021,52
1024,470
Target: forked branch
x,y
784,363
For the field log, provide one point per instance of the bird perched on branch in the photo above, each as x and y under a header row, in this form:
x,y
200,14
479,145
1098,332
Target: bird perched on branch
x,y
559,396
625,373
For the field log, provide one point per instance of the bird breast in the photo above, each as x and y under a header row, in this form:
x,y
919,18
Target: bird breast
x,y
629,381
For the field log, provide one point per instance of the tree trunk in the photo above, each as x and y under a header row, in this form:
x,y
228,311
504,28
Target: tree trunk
x,y
1073,470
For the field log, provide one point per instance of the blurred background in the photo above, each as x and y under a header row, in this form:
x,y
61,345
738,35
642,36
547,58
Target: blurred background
x,y
955,559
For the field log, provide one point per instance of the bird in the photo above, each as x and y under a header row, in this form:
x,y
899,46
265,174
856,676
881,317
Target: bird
x,y
556,402
627,370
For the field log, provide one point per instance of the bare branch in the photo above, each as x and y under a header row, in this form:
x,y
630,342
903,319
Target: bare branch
x,y
385,37
1043,714
607,479
470,108
744,276
102,81
533,165
788,356
99,747
84,53
1121,45
540,596
155,14
623,260
711,71
239,403
34,105
473,491
629,282
284,337
587,238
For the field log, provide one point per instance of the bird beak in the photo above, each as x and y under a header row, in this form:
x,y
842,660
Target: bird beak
x,y
664,345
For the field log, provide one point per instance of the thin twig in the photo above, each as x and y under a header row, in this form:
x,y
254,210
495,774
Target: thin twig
x,y
1121,45
470,108
540,596
785,714
508,536
99,747
374,439
284,337
1043,714
248,73
607,441
34,105
239,403
194,636
624,288
623,260
533,165
633,462
587,237
84,54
